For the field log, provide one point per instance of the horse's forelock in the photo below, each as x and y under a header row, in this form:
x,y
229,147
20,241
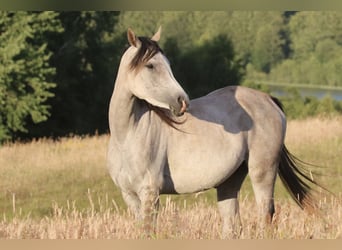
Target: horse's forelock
x,y
146,51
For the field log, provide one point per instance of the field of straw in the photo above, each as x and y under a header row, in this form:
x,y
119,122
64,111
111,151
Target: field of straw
x,y
61,190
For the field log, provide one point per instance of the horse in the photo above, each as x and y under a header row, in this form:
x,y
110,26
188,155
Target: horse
x,y
163,143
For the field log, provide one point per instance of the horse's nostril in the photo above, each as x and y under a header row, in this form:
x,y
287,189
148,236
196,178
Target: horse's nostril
x,y
183,105
182,101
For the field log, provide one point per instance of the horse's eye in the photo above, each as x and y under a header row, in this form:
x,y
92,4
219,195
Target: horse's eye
x,y
150,66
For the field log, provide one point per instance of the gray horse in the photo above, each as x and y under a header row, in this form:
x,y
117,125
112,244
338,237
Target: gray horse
x,y
163,143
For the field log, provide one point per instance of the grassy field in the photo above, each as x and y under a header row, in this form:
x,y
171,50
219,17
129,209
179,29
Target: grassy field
x,y
61,189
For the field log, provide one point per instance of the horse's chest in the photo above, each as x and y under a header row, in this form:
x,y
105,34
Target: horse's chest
x,y
136,162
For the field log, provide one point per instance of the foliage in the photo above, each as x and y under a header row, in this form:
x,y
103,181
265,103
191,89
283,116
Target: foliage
x,y
86,56
25,72
265,54
58,69
191,29
297,106
316,45
204,68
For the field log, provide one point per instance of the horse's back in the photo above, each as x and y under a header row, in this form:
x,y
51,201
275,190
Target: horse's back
x,y
239,105
244,110
222,107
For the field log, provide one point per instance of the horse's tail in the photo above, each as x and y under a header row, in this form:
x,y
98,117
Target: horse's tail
x,y
296,177
298,180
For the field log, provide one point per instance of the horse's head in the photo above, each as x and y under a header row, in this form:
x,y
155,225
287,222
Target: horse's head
x,y
149,74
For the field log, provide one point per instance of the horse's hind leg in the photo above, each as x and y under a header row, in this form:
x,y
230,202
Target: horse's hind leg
x,y
263,175
227,197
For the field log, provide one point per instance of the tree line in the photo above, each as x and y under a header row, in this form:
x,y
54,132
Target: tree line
x,y
57,69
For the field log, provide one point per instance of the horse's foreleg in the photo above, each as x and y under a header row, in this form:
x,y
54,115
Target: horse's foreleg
x,y
227,197
149,209
133,202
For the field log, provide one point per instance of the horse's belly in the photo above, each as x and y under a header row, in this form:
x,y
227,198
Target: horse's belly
x,y
204,163
200,179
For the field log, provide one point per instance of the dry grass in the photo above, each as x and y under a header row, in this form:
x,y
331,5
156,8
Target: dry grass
x,y
199,221
319,141
61,190
42,172
313,131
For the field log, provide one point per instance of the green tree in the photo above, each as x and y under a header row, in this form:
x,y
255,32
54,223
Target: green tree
x,y
316,47
142,22
194,28
309,28
25,73
267,49
86,57
206,67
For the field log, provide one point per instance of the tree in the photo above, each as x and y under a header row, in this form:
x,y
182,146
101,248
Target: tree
x,y
25,73
316,47
258,33
86,57
267,49
206,67
308,28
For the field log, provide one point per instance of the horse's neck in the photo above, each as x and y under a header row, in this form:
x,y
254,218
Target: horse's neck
x,y
124,111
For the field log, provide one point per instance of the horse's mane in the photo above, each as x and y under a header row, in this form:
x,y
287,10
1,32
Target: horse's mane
x,y
146,51
164,116
277,102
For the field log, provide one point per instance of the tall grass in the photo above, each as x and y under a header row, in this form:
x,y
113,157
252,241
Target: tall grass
x,y
43,172
197,221
61,189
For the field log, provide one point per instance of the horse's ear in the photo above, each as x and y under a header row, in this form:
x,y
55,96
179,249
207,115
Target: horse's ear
x,y
132,38
156,36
